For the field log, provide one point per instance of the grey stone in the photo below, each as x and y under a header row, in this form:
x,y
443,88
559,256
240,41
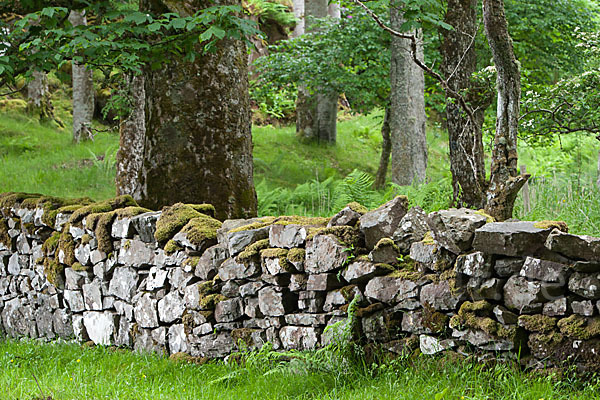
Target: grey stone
x,y
307,319
383,221
230,289
177,339
100,326
44,318
346,216
585,285
385,252
23,246
63,324
574,246
276,303
324,254
79,328
322,282
543,270
238,241
123,283
276,280
508,266
431,256
150,341
389,290
252,308
412,228
362,270
92,295
299,337
412,321
210,261
157,278
229,310
231,224
122,228
510,238
145,225
74,299
333,300
556,308
477,265
276,265
455,228
504,316
82,254
251,288
287,236
231,269
170,307
311,304
169,260
108,303
76,232
61,220
145,311
97,256
182,240
298,282
124,309
430,345
18,319
528,296
123,336
441,297
135,253
214,346
74,280
486,289
584,307
16,262
178,278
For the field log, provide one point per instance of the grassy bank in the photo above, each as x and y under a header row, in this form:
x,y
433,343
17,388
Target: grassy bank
x,y
32,370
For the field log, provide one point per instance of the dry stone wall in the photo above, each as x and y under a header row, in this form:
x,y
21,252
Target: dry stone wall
x,y
178,280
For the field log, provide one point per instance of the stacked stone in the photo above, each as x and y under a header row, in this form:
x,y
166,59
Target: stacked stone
x,y
180,281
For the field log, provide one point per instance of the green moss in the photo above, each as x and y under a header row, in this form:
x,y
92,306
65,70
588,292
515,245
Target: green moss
x,y
347,235
296,255
191,262
386,242
172,220
78,267
358,208
433,320
102,207
407,274
488,217
54,271
243,336
252,250
260,223
274,253
206,288
188,359
481,307
560,225
5,238
469,317
579,327
51,244
53,205
11,199
101,224
537,323
551,339
285,220
428,239
209,302
206,209
172,247
49,217
86,238
67,245
348,292
202,231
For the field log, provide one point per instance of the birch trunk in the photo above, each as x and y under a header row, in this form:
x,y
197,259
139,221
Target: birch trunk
x,y
298,6
386,149
598,179
83,91
505,182
407,116
38,97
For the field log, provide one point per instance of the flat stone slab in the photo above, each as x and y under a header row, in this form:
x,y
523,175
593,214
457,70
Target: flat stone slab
x,y
510,238
578,247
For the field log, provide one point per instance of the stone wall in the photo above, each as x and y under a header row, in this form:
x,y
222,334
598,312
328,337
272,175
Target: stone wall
x,y
181,281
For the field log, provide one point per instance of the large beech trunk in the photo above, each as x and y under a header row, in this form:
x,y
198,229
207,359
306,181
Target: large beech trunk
x,y
505,181
316,113
407,113
464,137
83,91
197,143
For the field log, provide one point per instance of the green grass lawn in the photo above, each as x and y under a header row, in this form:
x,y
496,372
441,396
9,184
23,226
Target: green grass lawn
x,y
70,371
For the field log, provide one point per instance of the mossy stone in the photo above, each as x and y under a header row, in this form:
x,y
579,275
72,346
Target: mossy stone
x,y
253,250
172,220
209,302
201,230
560,225
102,207
537,323
579,327
296,255
54,272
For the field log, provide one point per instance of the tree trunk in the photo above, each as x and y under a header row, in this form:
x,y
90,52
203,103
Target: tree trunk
x,y
316,113
386,149
407,116
198,145
505,182
598,179
464,138
83,91
298,6
38,97
130,157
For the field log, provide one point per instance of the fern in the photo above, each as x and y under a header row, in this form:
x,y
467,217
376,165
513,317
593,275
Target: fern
x,y
357,186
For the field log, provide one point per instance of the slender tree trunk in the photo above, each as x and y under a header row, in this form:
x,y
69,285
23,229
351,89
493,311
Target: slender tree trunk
x,y
598,179
505,182
407,116
198,145
298,6
464,138
83,91
130,157
386,149
316,113
38,97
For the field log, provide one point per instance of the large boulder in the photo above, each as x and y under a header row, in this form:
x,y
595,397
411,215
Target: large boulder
x,y
324,253
287,236
574,246
529,296
511,238
412,228
390,290
383,221
455,228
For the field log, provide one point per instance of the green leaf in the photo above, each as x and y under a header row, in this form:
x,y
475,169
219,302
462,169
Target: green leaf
x,y
48,12
179,23
154,27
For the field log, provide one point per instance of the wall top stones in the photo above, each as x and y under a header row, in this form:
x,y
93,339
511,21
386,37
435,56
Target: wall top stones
x,y
178,280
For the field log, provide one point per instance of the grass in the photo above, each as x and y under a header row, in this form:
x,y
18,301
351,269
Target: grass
x,y
70,371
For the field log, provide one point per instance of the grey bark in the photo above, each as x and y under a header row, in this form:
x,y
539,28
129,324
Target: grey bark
x,y
198,144
316,113
386,149
464,138
298,6
505,182
407,117
37,95
130,157
598,179
83,91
